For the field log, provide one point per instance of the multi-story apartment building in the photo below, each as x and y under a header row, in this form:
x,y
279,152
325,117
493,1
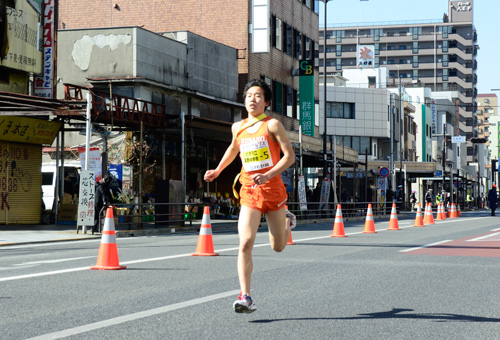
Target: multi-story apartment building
x,y
440,55
487,122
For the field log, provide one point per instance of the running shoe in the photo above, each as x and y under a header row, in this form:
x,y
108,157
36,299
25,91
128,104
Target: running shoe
x,y
244,304
292,218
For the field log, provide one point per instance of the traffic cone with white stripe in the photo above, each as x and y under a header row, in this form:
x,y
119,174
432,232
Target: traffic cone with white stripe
x,y
439,214
453,213
369,223
419,221
338,226
393,222
430,217
290,239
459,213
205,245
108,251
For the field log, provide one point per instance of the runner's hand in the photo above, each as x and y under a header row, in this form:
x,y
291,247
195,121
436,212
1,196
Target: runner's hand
x,y
210,175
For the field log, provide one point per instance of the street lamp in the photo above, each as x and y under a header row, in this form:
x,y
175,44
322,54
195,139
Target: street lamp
x,y
325,165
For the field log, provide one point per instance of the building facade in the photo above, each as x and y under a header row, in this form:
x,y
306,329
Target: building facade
x,y
440,55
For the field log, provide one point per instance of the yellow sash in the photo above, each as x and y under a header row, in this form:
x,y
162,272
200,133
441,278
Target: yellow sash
x,y
240,130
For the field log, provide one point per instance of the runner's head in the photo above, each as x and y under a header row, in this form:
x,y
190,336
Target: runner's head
x,y
268,95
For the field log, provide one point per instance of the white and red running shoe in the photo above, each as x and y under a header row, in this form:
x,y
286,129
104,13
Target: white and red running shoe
x,y
244,304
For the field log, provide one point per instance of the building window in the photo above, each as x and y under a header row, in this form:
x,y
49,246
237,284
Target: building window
x,y
276,31
307,48
415,74
340,110
289,101
377,62
338,64
288,35
415,61
445,74
277,102
445,46
415,32
361,144
377,48
338,50
445,60
415,47
339,35
297,44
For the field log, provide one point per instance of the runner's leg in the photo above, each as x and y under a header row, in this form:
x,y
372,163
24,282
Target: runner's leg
x,y
279,231
248,224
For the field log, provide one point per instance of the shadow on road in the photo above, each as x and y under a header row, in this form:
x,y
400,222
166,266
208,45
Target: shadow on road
x,y
398,313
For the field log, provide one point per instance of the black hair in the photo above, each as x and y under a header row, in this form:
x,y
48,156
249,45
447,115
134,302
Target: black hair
x,y
268,94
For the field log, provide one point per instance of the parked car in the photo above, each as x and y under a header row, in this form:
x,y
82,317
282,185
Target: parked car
x,y
71,181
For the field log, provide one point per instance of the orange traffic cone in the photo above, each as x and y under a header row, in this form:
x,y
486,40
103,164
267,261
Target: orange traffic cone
x,y
205,245
290,240
458,210
393,222
426,216
453,212
430,217
443,212
108,252
419,221
369,223
440,213
338,226
448,208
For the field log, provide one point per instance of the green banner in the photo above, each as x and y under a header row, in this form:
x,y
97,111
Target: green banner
x,y
306,97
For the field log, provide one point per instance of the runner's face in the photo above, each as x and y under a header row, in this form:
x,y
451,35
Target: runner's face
x,y
254,101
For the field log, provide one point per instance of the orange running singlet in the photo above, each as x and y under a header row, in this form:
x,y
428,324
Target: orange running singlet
x,y
259,153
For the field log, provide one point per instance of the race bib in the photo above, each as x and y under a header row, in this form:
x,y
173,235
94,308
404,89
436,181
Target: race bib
x,y
256,155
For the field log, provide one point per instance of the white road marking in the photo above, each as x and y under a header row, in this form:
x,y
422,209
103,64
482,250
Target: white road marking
x,y
424,246
134,316
53,261
484,237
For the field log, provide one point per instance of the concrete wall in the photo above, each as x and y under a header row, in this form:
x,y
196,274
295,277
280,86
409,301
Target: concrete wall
x,y
192,63
212,68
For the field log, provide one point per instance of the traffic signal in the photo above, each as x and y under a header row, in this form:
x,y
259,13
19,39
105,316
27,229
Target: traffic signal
x,y
478,140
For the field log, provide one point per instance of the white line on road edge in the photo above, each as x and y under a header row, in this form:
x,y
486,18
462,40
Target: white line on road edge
x,y
425,246
483,237
134,316
27,276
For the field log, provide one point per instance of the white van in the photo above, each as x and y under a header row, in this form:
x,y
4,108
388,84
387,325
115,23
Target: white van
x,y
71,176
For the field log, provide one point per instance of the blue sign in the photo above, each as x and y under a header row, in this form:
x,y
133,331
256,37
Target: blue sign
x,y
383,172
439,173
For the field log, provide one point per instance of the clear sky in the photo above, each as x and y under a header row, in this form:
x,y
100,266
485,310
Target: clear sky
x,y
486,16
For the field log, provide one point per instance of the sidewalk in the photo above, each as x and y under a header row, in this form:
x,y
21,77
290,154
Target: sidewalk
x,y
28,234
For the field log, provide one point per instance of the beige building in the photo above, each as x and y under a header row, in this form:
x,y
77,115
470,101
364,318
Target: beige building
x,y
440,55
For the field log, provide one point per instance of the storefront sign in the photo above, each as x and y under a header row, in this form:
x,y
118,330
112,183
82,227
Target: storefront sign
x,y
28,130
44,85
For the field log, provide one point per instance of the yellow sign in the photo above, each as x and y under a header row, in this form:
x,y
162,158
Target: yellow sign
x,y
24,36
28,130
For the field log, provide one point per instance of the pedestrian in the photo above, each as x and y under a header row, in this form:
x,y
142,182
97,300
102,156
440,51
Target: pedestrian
x,y
102,198
259,141
413,199
428,196
492,199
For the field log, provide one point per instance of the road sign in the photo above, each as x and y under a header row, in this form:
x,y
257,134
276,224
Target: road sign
x,y
383,172
450,165
458,139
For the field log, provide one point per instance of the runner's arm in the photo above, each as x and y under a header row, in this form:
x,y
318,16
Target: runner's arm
x,y
277,131
229,156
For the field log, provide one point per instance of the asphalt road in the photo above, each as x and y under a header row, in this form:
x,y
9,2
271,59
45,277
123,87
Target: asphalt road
x,y
435,282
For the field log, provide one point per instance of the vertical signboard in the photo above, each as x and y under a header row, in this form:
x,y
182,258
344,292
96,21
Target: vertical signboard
x,y
302,194
44,85
306,96
86,201
433,112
